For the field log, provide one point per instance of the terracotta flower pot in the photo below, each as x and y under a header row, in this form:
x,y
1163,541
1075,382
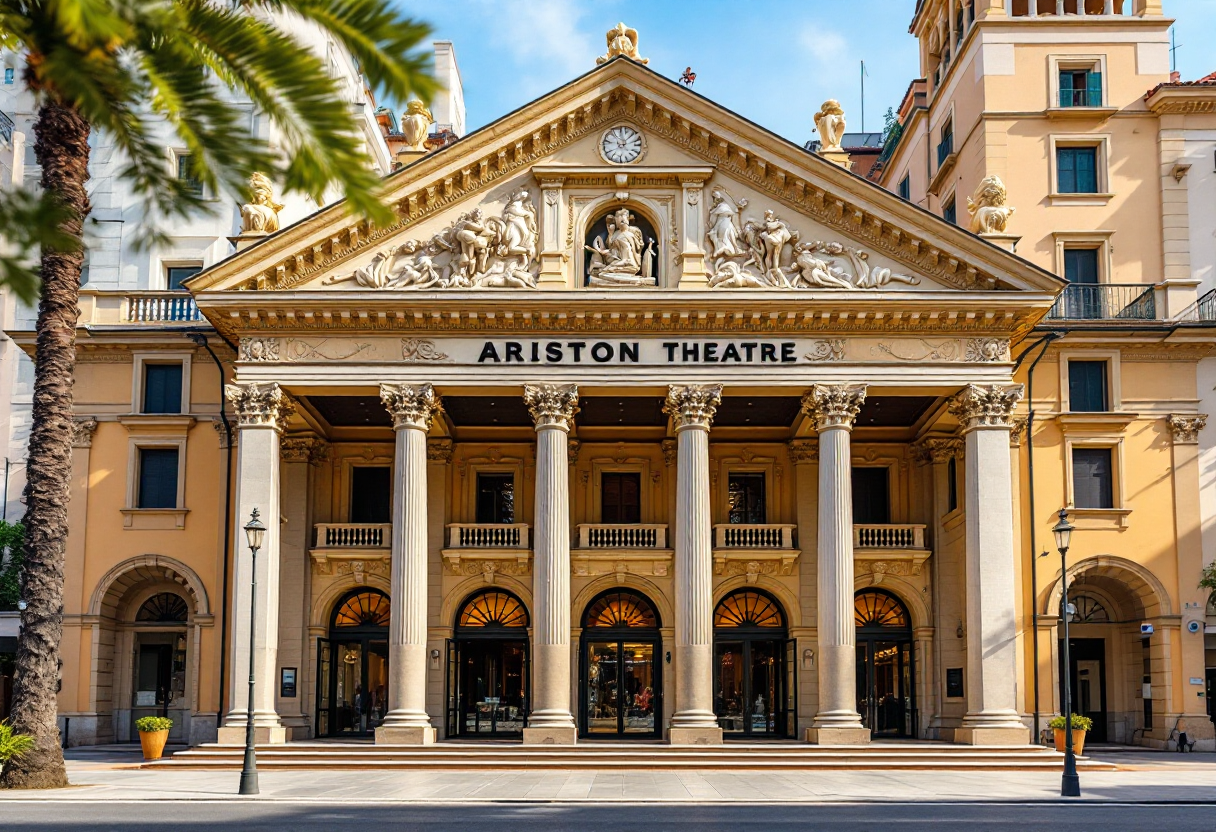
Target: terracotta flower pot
x,y
153,743
1078,740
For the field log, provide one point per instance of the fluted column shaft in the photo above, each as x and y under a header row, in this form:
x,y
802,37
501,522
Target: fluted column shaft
x,y
413,408
692,409
551,720
833,409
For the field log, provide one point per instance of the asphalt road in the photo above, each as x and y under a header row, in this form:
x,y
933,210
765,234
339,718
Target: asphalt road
x,y
230,815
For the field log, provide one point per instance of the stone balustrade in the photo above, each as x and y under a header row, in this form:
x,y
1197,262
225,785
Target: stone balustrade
x,y
754,536
888,536
353,535
622,536
488,535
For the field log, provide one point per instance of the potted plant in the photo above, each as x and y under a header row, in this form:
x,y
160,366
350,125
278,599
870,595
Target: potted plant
x,y
1080,724
153,734
12,744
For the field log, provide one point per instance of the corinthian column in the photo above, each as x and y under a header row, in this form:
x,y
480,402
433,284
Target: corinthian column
x,y
262,412
412,408
551,722
692,410
833,409
985,414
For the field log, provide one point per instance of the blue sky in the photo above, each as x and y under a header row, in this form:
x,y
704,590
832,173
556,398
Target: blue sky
x,y
771,61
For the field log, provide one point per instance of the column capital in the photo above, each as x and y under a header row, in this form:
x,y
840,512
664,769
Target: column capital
x,y
938,449
308,448
83,430
693,405
803,451
1185,427
411,405
552,405
834,405
439,450
986,406
260,404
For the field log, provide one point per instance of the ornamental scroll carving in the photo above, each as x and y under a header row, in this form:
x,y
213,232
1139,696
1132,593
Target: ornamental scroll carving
x,y
552,405
411,405
834,405
803,451
986,406
259,349
260,404
311,449
474,252
692,405
439,450
1185,428
939,450
416,350
984,350
827,349
766,254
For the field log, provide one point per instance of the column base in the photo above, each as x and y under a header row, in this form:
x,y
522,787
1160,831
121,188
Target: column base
x,y
550,735
405,735
694,736
1003,735
262,735
838,736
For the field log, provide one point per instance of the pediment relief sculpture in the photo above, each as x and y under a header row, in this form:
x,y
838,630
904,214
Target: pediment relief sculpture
x,y
767,254
474,252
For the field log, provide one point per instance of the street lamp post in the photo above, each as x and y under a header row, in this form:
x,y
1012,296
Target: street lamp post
x,y
254,534
1070,783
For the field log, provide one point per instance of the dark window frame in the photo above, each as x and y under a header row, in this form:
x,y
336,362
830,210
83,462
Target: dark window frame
x,y
1087,495
1079,87
621,512
1088,385
749,513
193,185
365,512
1077,169
950,211
1083,270
165,406
905,187
155,493
177,274
863,504
485,512
951,484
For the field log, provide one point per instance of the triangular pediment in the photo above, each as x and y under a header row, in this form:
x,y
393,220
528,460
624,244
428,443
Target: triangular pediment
x,y
543,168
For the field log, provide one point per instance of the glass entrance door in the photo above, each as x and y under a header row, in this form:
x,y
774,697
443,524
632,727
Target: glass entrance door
x,y
749,687
884,685
1088,679
358,695
620,689
490,679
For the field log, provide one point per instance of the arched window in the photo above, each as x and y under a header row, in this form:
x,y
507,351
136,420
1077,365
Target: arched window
x,y
492,609
620,608
366,608
1089,610
874,609
163,608
748,608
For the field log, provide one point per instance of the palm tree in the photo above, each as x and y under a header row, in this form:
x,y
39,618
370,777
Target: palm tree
x,y
122,67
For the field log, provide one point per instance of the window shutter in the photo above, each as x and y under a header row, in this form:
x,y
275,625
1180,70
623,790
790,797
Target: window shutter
x,y
1093,89
158,478
1066,171
162,388
1065,89
1087,170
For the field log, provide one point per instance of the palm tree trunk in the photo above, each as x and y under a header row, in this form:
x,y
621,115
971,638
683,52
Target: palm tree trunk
x,y
62,149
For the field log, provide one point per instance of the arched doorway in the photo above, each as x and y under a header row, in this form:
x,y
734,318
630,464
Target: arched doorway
x,y
754,688
487,682
159,655
620,670
886,689
352,666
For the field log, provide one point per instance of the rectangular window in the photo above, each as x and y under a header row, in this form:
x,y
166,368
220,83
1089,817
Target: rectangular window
x,y
1092,478
1080,88
1081,265
157,478
175,276
10,75
186,174
946,146
1077,170
162,388
371,494
746,494
620,498
951,485
905,187
871,500
950,211
495,498
1087,387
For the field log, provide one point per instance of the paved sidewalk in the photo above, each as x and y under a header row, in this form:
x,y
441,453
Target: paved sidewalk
x,y
1142,778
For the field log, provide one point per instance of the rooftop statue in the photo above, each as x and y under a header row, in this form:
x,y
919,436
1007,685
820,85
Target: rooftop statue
x,y
261,216
622,41
829,122
989,213
416,125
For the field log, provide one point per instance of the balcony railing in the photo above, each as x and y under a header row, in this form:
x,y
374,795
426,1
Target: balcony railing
x,y
944,148
1105,302
1205,308
488,535
888,536
354,535
161,307
753,536
622,536
6,128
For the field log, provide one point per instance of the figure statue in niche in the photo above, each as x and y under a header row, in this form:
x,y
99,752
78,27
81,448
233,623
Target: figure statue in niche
x,y
519,229
621,41
617,262
723,231
262,215
829,123
648,259
416,125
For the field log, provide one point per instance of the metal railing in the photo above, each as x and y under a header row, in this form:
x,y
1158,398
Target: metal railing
x,y
753,536
354,535
944,148
161,307
1205,307
1105,302
888,536
6,128
488,535
622,536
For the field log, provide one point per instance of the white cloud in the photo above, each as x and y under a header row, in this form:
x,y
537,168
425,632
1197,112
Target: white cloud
x,y
823,46
542,39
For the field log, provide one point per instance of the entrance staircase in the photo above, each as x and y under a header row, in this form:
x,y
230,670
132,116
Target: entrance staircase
x,y
932,756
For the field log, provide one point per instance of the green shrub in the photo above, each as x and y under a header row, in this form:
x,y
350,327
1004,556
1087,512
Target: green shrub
x,y
1079,723
12,744
12,536
148,724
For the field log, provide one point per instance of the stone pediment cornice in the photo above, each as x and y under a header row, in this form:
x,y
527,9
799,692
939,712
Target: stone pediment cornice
x,y
624,91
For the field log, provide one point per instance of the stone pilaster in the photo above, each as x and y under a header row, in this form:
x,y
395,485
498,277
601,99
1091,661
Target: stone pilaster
x,y
833,409
552,259
985,414
551,721
692,410
413,407
262,411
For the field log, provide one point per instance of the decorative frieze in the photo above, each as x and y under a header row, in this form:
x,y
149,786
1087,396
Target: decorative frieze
x,y
938,449
986,406
260,404
411,405
833,405
259,349
1184,428
419,350
803,451
552,405
827,349
985,350
82,432
692,405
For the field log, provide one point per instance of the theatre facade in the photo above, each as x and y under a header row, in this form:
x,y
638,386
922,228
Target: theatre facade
x,y
640,422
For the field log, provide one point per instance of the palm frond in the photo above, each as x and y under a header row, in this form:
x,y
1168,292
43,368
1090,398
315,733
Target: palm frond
x,y
31,222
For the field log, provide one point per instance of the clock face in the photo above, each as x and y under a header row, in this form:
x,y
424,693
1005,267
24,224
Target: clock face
x,y
622,144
